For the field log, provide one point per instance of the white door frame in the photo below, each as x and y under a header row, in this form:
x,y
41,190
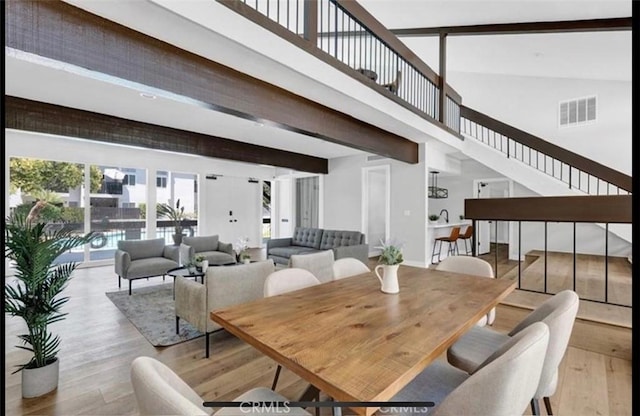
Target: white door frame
x,y
476,187
386,169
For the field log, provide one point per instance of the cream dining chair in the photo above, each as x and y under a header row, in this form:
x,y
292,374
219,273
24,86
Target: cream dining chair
x,y
284,281
348,266
474,266
558,313
501,386
320,264
160,391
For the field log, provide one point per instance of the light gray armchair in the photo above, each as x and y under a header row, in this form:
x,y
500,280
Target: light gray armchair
x,y
223,286
138,259
210,247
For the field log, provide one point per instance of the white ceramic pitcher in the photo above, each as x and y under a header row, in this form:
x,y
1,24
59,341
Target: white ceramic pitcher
x,y
389,278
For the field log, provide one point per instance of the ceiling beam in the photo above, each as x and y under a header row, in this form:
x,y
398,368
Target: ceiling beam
x,y
62,32
36,116
589,25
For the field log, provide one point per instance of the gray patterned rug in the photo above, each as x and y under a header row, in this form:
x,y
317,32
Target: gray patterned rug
x,y
150,309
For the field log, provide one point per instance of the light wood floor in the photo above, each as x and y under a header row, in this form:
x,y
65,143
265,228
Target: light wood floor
x,y
99,343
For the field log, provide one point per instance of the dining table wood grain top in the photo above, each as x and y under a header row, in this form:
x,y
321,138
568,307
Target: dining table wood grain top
x,y
358,344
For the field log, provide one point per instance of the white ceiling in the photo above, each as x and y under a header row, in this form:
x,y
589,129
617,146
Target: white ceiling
x,y
586,55
26,76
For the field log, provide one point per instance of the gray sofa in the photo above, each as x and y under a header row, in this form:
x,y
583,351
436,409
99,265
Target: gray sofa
x,y
213,250
311,240
137,259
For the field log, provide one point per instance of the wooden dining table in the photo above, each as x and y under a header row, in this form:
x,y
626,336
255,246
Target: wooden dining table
x,y
357,344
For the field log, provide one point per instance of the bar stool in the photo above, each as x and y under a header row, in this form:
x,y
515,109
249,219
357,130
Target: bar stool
x,y
466,236
452,239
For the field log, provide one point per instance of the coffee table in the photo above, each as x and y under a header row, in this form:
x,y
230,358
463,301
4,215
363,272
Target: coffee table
x,y
184,272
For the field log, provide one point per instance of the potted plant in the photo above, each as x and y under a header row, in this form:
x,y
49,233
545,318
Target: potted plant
x,y
177,215
35,296
245,257
200,262
390,260
433,218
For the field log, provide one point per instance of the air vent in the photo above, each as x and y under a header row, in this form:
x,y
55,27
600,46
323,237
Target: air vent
x,y
577,111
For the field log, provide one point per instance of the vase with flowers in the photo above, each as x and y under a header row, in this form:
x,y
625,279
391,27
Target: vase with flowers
x,y
242,250
390,260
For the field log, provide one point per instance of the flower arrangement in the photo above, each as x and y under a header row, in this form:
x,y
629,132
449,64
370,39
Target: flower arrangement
x,y
391,253
241,248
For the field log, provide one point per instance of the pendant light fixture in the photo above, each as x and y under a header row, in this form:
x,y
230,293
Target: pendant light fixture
x,y
434,191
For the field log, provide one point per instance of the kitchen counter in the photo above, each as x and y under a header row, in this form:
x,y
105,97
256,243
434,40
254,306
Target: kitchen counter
x,y
462,224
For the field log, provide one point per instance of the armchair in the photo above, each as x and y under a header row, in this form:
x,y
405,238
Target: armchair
x,y
223,286
213,250
137,259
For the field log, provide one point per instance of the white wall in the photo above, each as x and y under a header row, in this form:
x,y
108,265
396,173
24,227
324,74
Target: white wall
x,y
42,146
531,104
343,201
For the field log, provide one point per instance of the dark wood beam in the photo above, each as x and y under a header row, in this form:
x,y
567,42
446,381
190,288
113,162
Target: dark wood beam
x,y
65,33
589,25
590,208
23,114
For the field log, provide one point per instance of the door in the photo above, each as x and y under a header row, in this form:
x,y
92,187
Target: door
x,y
307,202
234,209
486,230
376,206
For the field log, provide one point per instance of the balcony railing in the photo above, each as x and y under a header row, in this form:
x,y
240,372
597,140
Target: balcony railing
x,y
367,50
574,170
542,222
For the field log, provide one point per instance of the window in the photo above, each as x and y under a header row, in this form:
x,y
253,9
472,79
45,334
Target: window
x,y
161,181
129,179
577,111
128,205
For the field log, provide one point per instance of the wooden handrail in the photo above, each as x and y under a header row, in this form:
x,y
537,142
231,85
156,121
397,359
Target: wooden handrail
x,y
370,22
588,208
589,166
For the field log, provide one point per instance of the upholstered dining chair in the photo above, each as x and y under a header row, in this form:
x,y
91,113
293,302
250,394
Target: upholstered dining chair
x,y
558,313
283,281
160,391
474,266
348,266
501,386
320,264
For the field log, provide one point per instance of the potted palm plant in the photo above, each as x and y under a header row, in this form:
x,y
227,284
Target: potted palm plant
x,y
177,215
36,294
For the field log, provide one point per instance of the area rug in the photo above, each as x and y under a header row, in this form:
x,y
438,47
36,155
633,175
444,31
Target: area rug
x,y
150,309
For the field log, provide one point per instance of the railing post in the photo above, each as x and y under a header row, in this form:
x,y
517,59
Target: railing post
x,y
443,78
311,21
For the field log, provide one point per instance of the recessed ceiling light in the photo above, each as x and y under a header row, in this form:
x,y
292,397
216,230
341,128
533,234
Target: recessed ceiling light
x,y
147,95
